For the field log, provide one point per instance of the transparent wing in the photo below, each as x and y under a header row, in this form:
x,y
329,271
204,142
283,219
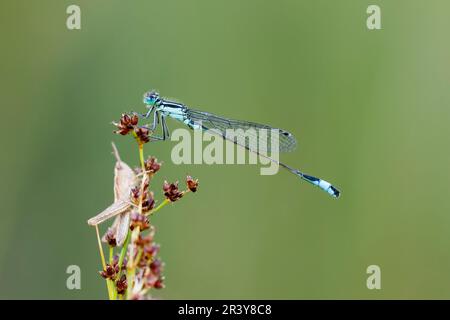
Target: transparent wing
x,y
251,134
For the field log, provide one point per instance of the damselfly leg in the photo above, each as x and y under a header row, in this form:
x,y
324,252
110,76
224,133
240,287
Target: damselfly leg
x,y
157,119
165,129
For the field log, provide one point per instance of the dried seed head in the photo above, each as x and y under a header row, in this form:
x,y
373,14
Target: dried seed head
x,y
146,184
191,183
152,279
152,165
134,120
122,284
110,271
149,202
139,220
171,191
159,284
110,237
142,134
135,194
148,254
144,241
139,296
126,124
156,266
116,261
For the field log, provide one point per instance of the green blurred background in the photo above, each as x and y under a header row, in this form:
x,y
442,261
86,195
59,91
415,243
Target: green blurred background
x,y
370,110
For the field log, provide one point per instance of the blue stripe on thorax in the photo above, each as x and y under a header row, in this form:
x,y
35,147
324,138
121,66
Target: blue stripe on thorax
x,y
177,111
174,110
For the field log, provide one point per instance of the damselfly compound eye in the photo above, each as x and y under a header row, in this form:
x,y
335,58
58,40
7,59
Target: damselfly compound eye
x,y
151,97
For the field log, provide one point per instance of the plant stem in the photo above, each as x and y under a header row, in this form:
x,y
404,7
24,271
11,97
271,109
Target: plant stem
x,y
111,259
124,250
111,289
138,257
102,256
111,254
130,264
109,283
160,206
141,156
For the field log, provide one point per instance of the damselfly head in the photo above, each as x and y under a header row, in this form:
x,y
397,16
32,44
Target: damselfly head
x,y
151,98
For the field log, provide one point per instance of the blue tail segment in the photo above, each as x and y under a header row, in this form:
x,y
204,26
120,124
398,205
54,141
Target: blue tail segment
x,y
322,184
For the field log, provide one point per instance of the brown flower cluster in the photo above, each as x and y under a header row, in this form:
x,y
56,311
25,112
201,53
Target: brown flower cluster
x,y
147,199
129,123
110,237
171,191
111,271
148,266
152,165
191,183
140,221
126,124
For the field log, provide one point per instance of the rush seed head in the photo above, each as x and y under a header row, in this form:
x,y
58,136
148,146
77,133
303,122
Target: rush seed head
x,y
122,285
110,237
126,124
142,134
110,271
152,165
139,220
171,191
191,183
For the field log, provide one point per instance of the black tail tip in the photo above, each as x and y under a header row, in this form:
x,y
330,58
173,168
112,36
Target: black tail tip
x,y
336,193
